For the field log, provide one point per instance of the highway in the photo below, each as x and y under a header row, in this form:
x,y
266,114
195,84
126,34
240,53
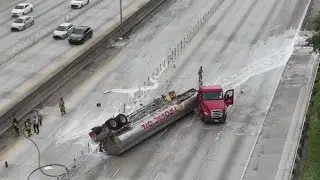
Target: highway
x,y
45,13
29,69
244,45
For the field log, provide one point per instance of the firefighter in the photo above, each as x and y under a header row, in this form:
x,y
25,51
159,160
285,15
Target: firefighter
x,y
200,73
39,116
27,125
62,107
16,126
36,124
200,76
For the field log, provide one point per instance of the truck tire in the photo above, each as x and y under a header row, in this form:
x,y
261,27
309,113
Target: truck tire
x,y
201,115
122,119
224,119
112,124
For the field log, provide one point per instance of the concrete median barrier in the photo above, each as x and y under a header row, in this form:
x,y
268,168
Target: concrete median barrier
x,y
80,60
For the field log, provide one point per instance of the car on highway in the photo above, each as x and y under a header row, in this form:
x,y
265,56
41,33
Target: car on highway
x,y
21,23
80,34
63,31
21,9
78,3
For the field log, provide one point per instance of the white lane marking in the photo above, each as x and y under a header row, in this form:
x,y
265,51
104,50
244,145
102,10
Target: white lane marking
x,y
156,176
254,145
115,173
191,120
220,132
85,114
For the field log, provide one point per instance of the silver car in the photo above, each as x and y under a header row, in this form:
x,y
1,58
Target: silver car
x,y
21,9
63,31
21,23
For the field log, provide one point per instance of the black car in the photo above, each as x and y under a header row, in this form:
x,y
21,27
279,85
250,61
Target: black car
x,y
80,34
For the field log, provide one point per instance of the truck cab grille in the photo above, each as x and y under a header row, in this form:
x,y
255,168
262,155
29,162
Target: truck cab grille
x,y
216,114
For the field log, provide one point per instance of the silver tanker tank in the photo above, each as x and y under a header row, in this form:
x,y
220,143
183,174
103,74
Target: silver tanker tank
x,y
121,133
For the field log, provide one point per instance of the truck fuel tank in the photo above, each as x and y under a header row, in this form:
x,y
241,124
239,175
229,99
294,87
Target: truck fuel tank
x,y
145,122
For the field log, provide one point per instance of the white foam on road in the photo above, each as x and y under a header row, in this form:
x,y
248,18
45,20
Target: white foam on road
x,y
136,90
266,56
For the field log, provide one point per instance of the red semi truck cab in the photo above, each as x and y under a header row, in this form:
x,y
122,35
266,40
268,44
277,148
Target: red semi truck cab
x,y
213,103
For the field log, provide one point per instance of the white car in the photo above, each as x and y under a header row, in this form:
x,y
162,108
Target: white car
x,y
63,31
21,23
21,9
78,3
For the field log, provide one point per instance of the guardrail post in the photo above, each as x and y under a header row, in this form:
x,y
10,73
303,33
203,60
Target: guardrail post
x,y
172,55
178,49
74,162
124,108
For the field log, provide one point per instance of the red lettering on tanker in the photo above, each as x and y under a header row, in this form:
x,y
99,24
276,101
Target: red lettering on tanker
x,y
162,117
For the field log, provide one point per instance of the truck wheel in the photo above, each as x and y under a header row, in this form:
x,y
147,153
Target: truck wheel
x,y
121,119
224,119
201,116
112,124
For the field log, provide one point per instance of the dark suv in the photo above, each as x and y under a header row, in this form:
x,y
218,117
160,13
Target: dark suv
x,y
80,34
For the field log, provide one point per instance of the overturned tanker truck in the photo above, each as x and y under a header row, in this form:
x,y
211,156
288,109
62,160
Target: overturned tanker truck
x,y
122,132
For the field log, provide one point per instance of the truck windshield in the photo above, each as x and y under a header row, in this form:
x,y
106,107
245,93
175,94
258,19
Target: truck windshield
x,y
212,96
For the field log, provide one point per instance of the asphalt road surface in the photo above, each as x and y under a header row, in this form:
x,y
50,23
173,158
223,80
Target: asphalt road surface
x,y
29,69
244,45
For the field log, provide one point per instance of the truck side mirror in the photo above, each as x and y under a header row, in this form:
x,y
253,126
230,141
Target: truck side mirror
x,y
229,97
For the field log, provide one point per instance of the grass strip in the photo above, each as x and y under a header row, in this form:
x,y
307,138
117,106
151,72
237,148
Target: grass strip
x,y
312,160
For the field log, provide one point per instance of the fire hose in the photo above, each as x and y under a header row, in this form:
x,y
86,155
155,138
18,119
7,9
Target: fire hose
x,y
39,164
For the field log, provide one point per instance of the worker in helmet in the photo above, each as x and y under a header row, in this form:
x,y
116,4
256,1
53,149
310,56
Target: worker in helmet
x,y
27,125
200,71
200,76
16,126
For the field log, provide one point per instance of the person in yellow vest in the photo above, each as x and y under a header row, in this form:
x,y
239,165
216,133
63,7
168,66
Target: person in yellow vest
x,y
27,125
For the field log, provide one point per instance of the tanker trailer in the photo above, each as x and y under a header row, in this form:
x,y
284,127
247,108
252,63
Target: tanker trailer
x,y
118,134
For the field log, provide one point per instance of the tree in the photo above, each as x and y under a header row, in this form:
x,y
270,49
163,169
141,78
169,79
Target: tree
x,y
316,22
314,40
